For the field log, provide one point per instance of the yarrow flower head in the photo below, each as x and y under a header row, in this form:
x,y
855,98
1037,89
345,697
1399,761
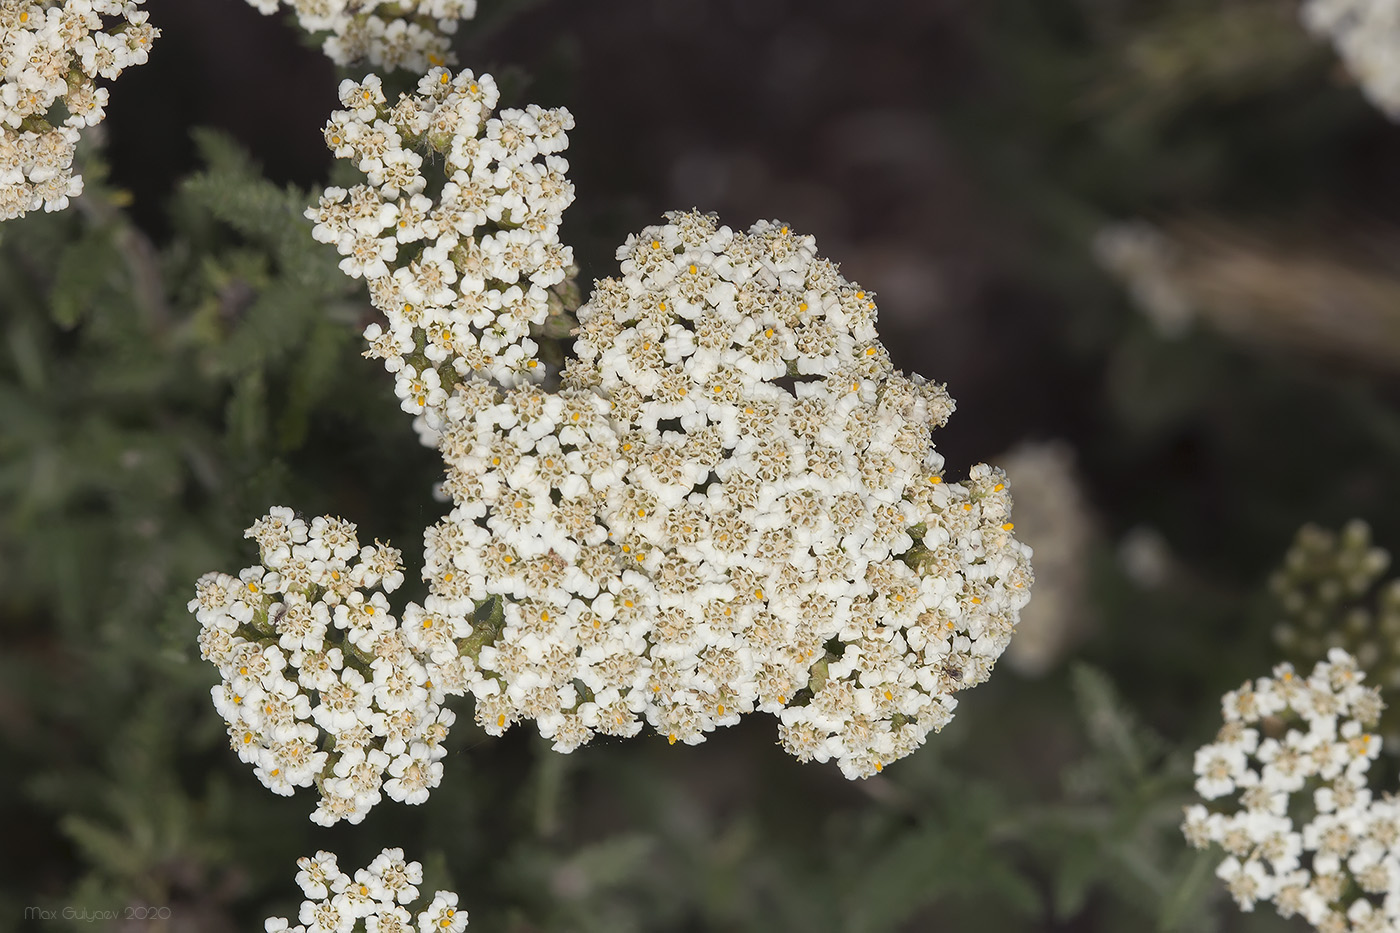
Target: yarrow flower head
x,y
412,35
52,53
462,268
731,505
384,896
321,683
1287,777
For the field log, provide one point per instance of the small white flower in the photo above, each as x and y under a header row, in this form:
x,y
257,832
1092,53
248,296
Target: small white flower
x,y
318,874
1219,768
399,877
442,915
413,775
332,916
336,901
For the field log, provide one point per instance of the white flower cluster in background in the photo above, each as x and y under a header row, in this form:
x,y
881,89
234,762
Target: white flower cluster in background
x,y
412,35
381,895
1366,34
1300,827
321,683
732,505
461,274
1146,261
1052,517
52,53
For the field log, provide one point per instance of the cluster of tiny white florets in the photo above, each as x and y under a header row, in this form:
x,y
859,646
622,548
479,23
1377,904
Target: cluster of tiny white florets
x,y
412,35
321,683
1366,34
461,275
1306,833
382,895
732,504
52,52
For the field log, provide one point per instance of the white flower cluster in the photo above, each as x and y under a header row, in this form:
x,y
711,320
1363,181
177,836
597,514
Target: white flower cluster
x,y
305,648
381,895
1305,833
462,275
1366,34
52,52
412,35
732,504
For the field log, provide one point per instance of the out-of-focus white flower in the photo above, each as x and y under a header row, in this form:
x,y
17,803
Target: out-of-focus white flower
x,y
375,899
1292,810
1366,34
1054,520
1145,557
51,54
413,35
1144,259
1330,591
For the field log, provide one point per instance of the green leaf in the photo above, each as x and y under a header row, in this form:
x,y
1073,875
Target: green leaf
x,y
85,267
25,354
1116,734
1078,867
106,848
247,414
1189,895
312,379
